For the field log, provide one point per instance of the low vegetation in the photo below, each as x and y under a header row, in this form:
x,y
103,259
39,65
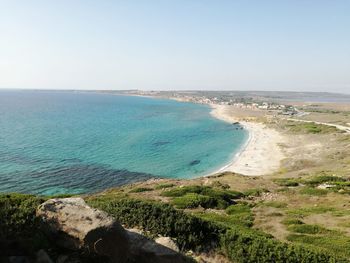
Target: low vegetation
x,y
140,190
238,243
156,218
287,182
197,232
163,186
310,127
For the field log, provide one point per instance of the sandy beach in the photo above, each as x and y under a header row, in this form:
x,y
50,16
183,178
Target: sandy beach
x,y
261,154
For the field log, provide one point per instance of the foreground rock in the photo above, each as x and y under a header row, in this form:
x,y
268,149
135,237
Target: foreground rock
x,y
144,250
72,224
76,226
167,242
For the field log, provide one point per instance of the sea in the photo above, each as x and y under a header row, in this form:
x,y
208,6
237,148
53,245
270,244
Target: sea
x,y
67,142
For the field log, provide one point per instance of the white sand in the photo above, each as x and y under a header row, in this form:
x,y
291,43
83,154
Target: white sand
x,y
261,155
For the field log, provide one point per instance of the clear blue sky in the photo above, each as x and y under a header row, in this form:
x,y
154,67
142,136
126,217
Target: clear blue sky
x,y
216,44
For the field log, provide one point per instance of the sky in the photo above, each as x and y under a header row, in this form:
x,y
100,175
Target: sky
x,y
295,45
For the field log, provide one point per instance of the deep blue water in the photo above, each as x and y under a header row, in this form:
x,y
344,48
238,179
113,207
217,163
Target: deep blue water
x,y
69,142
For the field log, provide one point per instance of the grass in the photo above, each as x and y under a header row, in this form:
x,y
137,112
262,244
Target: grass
x,y
287,181
302,212
18,222
164,186
140,190
203,190
310,127
292,221
238,209
308,229
338,244
321,179
275,204
273,214
218,184
236,215
255,192
313,191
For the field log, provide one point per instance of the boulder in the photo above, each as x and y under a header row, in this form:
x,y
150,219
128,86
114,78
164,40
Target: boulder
x,y
74,225
144,250
167,242
43,257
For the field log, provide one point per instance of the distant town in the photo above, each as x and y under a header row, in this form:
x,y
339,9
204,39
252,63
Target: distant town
x,y
237,99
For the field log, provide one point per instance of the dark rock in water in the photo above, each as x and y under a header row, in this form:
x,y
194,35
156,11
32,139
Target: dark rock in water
x,y
75,178
72,224
160,143
195,162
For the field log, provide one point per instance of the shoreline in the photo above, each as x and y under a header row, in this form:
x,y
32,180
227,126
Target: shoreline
x,y
260,155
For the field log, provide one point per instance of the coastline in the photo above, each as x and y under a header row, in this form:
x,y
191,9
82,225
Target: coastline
x,y
261,154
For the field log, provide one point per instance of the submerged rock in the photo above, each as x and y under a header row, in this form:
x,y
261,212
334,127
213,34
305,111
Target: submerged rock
x,y
194,162
72,224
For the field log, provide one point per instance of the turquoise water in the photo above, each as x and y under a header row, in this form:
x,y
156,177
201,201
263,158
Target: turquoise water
x,y
69,142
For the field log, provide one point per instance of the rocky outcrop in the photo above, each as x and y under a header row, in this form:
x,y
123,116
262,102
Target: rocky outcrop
x,y
72,224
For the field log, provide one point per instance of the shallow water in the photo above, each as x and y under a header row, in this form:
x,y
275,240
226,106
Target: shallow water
x,y
69,142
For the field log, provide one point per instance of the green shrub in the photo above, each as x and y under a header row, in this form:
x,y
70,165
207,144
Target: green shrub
x,y
181,191
189,196
140,190
192,200
17,214
18,222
